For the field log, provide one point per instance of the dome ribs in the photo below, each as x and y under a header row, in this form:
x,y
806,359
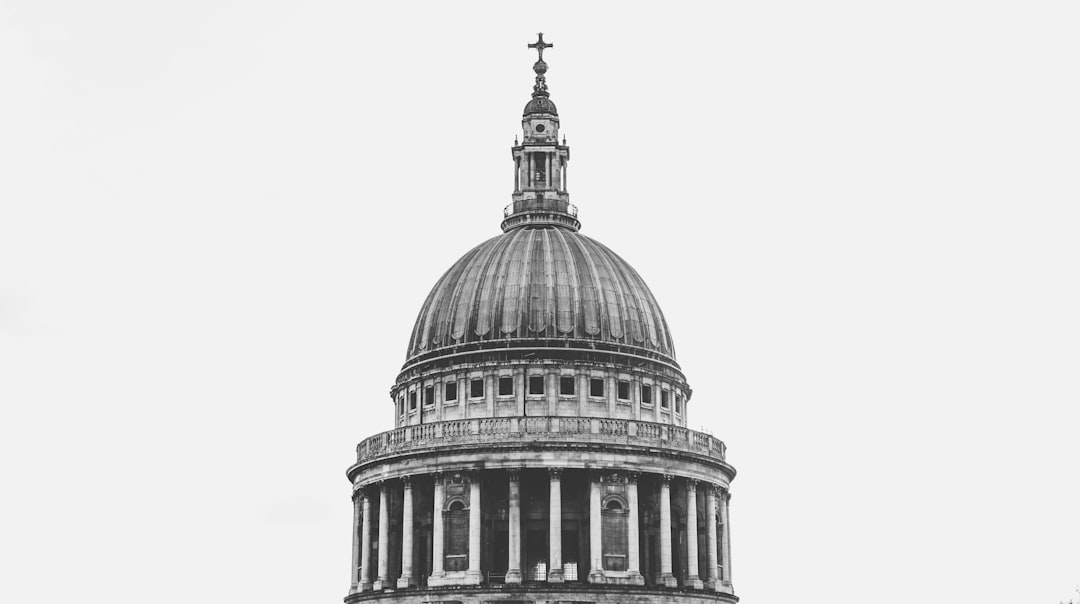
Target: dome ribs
x,y
566,291
544,286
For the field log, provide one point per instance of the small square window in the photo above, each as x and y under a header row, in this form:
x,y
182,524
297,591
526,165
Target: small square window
x,y
665,397
476,389
429,395
506,386
566,385
536,384
412,401
451,391
646,394
623,390
596,387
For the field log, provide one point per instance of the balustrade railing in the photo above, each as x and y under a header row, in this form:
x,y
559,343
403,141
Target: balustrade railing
x,y
517,429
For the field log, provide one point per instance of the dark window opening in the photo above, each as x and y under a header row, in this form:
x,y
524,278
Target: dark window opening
x,y
536,384
412,401
664,396
506,386
401,405
451,391
678,403
614,505
429,395
566,385
624,390
476,388
596,387
646,394
539,168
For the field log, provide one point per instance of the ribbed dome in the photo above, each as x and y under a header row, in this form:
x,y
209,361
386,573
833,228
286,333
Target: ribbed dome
x,y
551,286
540,104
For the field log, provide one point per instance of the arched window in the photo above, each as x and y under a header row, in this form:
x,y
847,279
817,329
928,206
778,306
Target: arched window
x,y
613,534
456,519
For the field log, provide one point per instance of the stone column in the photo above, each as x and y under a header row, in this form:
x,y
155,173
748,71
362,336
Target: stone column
x,y
725,540
384,539
473,577
633,542
406,578
693,579
666,577
438,553
365,545
596,552
513,564
712,580
555,570
354,572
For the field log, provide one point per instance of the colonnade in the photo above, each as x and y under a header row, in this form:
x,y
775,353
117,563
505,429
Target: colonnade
x,y
371,568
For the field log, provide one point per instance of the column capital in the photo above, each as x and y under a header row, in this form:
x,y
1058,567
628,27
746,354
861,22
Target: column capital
x,y
555,473
692,484
406,481
513,474
632,477
358,495
666,479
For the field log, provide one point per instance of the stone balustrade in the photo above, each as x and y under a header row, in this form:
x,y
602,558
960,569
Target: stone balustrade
x,y
538,429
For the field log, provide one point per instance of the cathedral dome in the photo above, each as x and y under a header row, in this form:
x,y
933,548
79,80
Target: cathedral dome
x,y
541,287
540,104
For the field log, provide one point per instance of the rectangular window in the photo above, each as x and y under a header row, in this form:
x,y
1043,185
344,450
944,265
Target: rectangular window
x,y
536,384
476,389
678,403
451,391
646,394
624,390
412,401
506,386
664,399
429,395
401,405
566,385
596,387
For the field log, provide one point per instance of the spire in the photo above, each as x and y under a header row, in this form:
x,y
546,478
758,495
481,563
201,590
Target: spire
x,y
540,196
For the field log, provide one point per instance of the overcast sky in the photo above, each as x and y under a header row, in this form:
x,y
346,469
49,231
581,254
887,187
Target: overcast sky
x,y
219,219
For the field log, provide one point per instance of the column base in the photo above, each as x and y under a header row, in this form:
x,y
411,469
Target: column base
x,y
436,579
381,584
694,582
473,577
669,580
555,575
635,578
596,575
354,588
405,581
365,586
513,576
711,584
725,588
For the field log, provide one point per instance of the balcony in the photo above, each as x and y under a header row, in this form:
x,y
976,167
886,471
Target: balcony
x,y
521,430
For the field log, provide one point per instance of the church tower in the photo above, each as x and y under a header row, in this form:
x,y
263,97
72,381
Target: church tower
x,y
540,452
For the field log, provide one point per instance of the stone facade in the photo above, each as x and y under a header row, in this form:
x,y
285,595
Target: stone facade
x,y
540,452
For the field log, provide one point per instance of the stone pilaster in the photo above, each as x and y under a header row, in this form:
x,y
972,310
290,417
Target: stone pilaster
x,y
513,565
555,569
693,579
666,578
406,578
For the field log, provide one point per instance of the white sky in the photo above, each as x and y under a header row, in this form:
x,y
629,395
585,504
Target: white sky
x,y
218,220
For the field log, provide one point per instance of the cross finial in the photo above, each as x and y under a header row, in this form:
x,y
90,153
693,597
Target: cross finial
x,y
540,45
